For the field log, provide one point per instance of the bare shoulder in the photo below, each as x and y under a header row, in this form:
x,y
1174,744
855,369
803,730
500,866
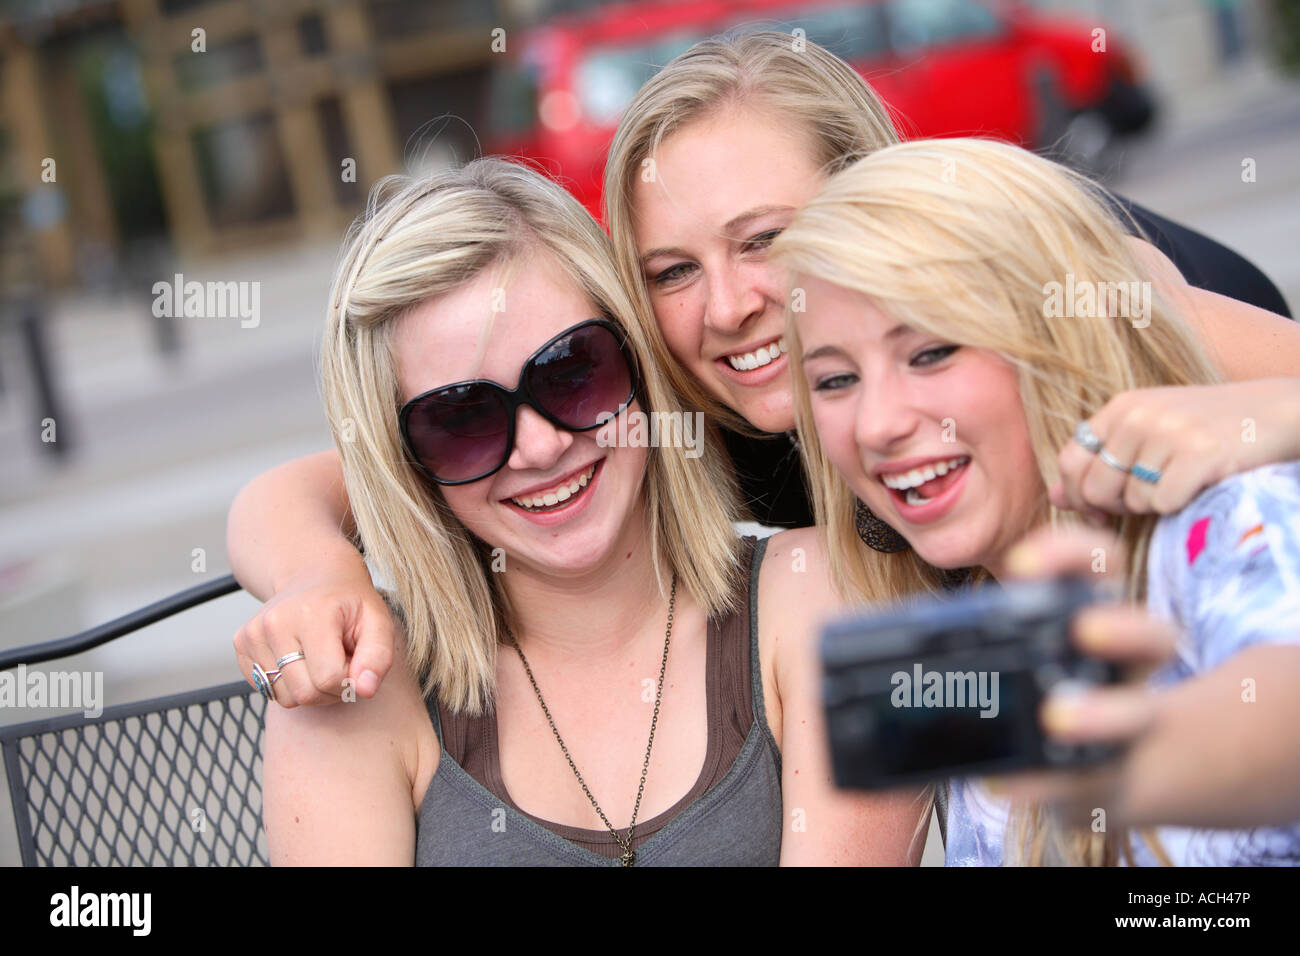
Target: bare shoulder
x,y
795,579
341,780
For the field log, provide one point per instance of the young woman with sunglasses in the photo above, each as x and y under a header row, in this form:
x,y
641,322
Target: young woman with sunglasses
x,y
934,385
577,615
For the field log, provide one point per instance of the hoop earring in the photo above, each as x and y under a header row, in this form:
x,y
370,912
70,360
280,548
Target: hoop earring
x,y
876,534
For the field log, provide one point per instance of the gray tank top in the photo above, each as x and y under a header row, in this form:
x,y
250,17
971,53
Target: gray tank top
x,y
735,821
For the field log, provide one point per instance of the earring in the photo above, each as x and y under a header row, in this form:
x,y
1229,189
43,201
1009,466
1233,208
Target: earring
x,y
877,535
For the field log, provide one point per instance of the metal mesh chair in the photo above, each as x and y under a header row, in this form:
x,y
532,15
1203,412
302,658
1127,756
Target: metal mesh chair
x,y
171,781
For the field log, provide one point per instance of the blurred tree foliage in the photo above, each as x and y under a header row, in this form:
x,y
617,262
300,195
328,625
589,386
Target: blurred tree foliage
x,y
1286,33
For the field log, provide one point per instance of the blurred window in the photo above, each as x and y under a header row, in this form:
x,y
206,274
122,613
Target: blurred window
x,y
180,6
399,19
513,96
311,35
224,61
338,147
923,23
242,169
850,31
607,79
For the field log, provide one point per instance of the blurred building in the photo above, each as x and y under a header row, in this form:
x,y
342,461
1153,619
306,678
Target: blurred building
x,y
225,124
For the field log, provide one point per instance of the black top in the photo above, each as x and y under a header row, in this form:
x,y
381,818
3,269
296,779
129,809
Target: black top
x,y
771,478
770,470
1207,264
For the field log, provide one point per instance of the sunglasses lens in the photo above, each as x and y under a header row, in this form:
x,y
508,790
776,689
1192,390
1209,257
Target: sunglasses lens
x,y
582,378
461,432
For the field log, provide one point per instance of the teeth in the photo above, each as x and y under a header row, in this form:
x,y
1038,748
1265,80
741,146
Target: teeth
x,y
919,476
553,496
914,497
764,355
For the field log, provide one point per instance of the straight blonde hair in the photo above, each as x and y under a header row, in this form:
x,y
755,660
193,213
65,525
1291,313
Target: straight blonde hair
x,y
962,239
794,79
421,238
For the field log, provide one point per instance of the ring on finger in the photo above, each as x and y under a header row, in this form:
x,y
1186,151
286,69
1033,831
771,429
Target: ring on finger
x,y
263,681
1087,438
289,659
1142,473
1114,462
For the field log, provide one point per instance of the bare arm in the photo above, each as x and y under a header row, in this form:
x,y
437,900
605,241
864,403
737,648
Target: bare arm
x,y
339,786
1245,341
288,519
289,539
823,826
1215,759
1195,435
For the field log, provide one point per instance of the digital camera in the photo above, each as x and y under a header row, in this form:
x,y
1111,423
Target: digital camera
x,y
952,686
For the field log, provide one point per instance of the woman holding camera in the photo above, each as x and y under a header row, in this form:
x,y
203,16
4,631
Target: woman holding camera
x,y
940,376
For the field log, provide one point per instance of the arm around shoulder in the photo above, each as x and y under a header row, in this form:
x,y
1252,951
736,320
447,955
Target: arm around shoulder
x,y
1243,340
287,519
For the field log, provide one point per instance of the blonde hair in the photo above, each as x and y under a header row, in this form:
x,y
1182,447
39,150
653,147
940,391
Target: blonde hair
x,y
815,89
960,238
424,237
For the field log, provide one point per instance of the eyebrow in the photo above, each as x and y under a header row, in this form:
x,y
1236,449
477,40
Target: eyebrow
x,y
731,227
896,332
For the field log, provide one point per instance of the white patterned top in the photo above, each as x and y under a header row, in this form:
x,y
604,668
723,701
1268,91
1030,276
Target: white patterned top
x,y
1226,571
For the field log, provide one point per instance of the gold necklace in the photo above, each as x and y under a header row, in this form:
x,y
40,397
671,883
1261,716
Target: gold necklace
x,y
628,857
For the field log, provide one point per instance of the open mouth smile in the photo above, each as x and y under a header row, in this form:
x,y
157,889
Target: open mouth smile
x,y
562,494
763,355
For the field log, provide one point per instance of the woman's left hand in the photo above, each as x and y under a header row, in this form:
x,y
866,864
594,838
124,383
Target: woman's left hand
x,y
1195,436
1118,715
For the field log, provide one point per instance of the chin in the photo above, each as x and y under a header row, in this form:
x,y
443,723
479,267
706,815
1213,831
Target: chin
x,y
772,414
950,551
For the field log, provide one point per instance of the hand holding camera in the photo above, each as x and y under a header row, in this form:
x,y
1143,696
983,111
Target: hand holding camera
x,y
1041,674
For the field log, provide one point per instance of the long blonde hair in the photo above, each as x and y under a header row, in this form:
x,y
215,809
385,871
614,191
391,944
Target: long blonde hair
x,y
963,239
795,79
424,237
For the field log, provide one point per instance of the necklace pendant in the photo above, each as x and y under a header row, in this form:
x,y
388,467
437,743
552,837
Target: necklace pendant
x,y
628,858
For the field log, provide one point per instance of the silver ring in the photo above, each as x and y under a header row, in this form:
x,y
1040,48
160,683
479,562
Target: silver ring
x,y
1143,473
263,683
1114,462
1087,438
289,659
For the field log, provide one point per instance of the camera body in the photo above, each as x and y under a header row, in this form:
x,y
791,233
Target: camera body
x,y
952,686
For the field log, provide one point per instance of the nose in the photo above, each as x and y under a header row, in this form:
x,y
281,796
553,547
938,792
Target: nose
x,y
538,443
733,299
886,418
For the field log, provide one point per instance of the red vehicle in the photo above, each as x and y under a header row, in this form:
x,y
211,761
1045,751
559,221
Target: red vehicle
x,y
944,67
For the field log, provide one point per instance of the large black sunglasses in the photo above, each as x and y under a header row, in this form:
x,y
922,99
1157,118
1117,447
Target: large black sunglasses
x,y
466,431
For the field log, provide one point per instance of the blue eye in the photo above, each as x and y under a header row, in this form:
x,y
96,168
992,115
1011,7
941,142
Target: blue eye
x,y
763,239
835,382
671,274
934,355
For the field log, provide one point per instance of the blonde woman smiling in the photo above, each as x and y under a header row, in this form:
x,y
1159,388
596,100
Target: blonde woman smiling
x,y
935,387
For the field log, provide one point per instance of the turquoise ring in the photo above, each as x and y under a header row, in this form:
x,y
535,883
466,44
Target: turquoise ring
x,y
1143,473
